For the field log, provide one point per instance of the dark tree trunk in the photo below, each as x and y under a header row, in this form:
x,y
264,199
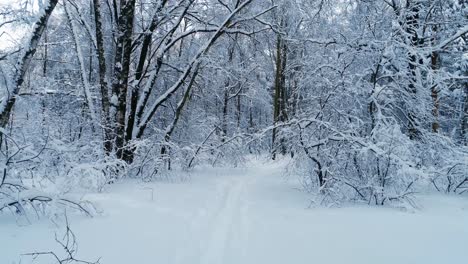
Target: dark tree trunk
x,y
412,27
279,97
44,65
105,104
435,95
224,125
464,125
121,74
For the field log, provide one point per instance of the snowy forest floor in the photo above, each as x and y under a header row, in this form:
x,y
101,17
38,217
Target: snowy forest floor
x,y
245,215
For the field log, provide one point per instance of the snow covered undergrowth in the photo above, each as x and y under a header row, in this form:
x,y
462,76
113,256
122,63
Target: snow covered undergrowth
x,y
246,215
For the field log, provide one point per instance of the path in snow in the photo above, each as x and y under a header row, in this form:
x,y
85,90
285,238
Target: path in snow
x,y
227,228
245,216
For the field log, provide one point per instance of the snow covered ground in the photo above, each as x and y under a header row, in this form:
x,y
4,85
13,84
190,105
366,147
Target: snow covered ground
x,y
245,216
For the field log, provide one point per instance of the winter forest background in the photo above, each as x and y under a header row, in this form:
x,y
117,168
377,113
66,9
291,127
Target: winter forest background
x,y
366,99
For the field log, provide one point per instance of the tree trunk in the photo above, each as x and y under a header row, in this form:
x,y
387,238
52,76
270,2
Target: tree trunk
x,y
435,95
224,125
412,27
279,104
121,74
105,104
239,108
464,125
44,65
